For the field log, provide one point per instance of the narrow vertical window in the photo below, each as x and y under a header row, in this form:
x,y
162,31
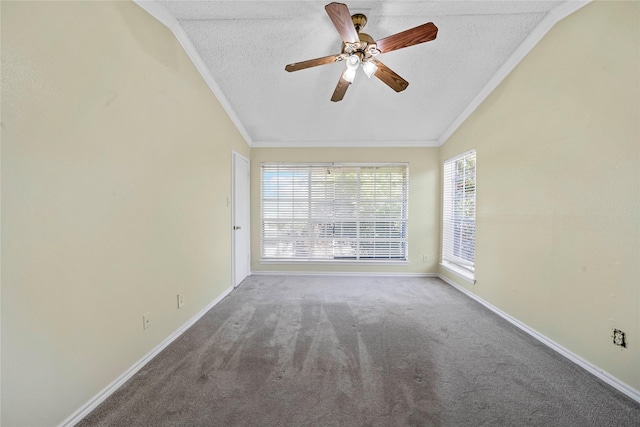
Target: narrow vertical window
x,y
459,213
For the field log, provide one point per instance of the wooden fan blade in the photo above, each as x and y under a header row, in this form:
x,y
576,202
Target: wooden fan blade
x,y
341,18
420,34
341,89
311,63
390,78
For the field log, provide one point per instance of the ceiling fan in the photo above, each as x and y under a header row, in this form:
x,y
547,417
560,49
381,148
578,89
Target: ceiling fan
x,y
361,49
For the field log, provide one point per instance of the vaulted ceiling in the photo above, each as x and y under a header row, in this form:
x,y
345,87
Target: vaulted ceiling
x,y
242,47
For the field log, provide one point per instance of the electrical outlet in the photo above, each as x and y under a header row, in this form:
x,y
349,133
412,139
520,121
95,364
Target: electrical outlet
x,y
146,321
180,300
619,338
425,258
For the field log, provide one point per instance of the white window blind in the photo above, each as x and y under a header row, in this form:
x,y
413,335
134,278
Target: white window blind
x,y
332,212
459,211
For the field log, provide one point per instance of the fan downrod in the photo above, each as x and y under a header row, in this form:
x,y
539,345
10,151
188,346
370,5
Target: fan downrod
x,y
359,21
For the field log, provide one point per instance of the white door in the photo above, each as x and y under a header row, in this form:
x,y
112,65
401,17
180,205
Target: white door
x,y
240,218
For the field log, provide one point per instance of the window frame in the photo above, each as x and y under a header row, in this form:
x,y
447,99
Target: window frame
x,y
452,259
391,225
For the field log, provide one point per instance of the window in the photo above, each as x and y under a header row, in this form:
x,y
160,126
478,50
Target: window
x,y
334,212
459,212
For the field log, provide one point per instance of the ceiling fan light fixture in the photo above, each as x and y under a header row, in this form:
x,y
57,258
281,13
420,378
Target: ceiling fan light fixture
x,y
353,62
369,68
360,49
349,74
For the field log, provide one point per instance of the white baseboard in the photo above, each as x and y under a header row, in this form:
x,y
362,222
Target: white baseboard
x,y
85,409
340,273
604,376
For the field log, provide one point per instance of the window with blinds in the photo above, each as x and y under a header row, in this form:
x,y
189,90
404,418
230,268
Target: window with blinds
x,y
334,212
459,211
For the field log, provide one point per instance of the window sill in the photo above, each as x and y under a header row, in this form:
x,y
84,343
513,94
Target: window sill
x,y
465,275
334,262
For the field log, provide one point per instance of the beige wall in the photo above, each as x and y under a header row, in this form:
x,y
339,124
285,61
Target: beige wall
x,y
558,161
116,166
424,202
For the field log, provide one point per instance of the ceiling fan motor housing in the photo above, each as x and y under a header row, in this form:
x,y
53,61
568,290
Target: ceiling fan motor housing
x,y
359,21
359,49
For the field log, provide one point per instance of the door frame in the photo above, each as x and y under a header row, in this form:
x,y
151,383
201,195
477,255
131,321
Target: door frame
x,y
234,209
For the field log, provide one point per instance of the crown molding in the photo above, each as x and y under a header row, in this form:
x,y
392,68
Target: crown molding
x,y
560,12
344,144
164,17
556,15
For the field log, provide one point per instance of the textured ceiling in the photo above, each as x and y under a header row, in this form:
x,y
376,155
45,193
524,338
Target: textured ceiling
x,y
245,46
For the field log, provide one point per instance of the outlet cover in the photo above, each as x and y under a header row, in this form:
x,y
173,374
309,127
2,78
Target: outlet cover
x,y
146,321
619,338
180,300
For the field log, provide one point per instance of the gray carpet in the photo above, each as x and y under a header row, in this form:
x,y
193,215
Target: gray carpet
x,y
374,351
